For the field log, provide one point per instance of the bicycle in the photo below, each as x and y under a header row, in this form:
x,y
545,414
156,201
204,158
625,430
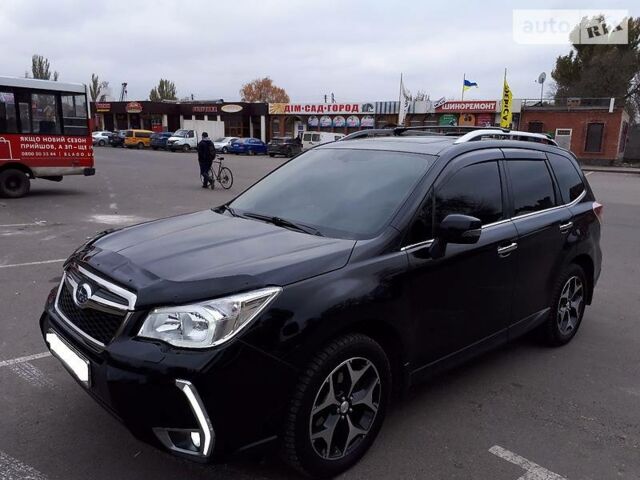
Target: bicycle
x,y
223,175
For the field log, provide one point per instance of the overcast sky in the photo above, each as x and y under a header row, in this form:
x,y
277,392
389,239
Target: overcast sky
x,y
356,49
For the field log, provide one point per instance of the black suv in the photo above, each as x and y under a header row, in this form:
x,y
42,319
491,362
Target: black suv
x,y
286,146
290,314
117,138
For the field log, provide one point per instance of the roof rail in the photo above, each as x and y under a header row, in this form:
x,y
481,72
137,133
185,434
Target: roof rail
x,y
445,129
499,132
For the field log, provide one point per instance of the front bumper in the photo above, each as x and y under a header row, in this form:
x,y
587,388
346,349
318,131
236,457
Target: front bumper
x,y
195,404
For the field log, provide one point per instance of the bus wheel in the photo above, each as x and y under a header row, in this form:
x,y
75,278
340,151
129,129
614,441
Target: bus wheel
x,y
140,146
14,183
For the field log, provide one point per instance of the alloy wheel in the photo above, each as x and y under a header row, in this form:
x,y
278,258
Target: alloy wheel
x,y
345,408
570,305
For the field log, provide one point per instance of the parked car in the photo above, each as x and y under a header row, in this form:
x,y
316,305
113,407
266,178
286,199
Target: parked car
x,y
101,138
137,138
291,313
117,138
286,146
159,140
247,146
184,140
222,144
313,139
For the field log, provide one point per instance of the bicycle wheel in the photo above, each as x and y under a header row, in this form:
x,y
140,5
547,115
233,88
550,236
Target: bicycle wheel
x,y
226,178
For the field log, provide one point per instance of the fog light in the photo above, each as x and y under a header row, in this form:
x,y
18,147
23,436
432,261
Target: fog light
x,y
195,439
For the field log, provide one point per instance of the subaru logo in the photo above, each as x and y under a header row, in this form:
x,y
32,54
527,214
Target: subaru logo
x,y
83,294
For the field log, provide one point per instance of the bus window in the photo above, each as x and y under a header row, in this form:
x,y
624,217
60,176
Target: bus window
x,y
24,109
74,114
8,123
45,113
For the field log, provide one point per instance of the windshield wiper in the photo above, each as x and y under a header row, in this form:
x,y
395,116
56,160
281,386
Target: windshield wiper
x,y
282,222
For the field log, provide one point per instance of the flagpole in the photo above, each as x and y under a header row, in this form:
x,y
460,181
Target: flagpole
x,y
400,100
464,77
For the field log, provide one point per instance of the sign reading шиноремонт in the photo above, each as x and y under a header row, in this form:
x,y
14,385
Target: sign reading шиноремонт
x,y
468,106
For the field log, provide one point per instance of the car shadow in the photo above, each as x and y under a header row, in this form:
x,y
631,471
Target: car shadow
x,y
268,465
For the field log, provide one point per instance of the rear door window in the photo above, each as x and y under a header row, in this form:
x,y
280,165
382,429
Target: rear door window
x,y
475,190
532,186
8,119
568,178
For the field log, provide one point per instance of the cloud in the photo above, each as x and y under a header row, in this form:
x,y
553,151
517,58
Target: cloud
x,y
355,49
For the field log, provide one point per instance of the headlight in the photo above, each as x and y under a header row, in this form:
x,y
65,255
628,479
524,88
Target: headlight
x,y
209,323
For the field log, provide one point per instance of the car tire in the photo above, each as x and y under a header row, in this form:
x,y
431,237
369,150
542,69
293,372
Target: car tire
x,y
14,183
102,143
567,307
272,155
224,150
185,148
354,411
140,146
289,153
154,148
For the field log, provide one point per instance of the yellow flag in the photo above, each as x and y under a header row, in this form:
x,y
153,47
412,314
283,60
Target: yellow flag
x,y
505,116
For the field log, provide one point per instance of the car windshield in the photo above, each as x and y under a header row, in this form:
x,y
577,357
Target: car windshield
x,y
341,193
181,133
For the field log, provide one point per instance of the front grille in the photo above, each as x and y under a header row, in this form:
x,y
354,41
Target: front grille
x,y
98,325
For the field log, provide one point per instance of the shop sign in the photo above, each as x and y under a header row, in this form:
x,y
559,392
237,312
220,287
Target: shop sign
x,y
353,121
338,121
133,107
438,103
313,121
204,109
367,121
325,121
468,106
231,108
448,119
319,108
102,107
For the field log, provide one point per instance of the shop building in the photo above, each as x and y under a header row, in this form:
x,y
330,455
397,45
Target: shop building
x,y
291,119
238,119
595,130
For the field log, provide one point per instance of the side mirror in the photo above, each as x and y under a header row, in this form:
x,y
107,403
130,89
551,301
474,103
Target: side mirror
x,y
461,229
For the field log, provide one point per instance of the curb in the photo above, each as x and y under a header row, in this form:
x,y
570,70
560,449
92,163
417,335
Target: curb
x,y
587,168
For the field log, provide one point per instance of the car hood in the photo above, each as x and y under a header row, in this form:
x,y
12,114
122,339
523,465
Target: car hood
x,y
206,254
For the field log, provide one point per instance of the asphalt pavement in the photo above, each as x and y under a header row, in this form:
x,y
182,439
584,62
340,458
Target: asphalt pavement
x,y
572,412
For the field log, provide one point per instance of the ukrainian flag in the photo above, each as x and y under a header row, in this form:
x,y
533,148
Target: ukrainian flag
x,y
468,84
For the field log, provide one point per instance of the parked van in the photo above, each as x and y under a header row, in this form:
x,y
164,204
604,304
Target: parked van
x,y
182,139
311,139
137,138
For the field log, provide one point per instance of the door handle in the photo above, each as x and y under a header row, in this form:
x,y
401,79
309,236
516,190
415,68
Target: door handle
x,y
507,249
565,227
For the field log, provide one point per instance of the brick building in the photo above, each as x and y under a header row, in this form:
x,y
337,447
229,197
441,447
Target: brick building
x,y
595,130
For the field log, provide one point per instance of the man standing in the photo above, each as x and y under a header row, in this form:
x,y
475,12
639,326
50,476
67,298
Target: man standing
x,y
206,154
